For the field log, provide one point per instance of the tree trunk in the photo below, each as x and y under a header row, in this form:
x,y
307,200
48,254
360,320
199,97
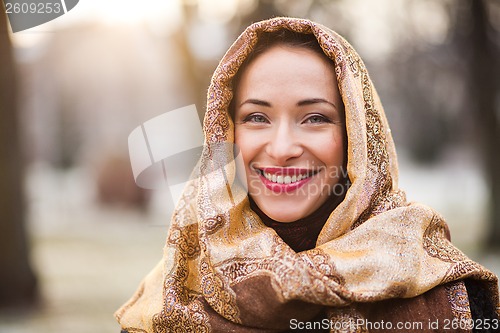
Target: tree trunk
x,y
484,86
17,280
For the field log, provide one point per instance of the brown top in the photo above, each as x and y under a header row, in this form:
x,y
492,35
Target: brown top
x,y
300,235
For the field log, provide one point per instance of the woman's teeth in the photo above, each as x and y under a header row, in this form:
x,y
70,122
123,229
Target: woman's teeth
x,y
280,179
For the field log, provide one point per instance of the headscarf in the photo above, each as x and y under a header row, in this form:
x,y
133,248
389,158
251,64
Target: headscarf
x,y
223,270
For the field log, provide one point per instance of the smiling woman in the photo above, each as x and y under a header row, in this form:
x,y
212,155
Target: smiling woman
x,y
310,230
289,126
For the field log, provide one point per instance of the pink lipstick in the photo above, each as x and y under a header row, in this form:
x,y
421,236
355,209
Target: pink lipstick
x,y
285,180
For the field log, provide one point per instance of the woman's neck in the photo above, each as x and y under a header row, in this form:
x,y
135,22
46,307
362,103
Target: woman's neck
x,y
302,234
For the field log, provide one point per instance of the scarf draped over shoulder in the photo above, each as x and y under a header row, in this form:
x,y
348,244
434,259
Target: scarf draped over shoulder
x,y
223,270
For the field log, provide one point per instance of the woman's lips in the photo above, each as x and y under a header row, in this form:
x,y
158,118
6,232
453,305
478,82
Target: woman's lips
x,y
285,180
286,171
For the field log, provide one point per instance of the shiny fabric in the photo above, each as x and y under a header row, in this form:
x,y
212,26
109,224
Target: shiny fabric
x,y
223,270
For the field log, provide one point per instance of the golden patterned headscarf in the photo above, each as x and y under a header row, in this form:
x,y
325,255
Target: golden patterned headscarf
x,y
223,270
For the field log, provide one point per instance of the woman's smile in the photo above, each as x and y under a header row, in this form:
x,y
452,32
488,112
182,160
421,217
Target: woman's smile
x,y
285,180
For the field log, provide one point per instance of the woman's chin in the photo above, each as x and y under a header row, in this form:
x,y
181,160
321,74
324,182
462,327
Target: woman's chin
x,y
285,218
285,207
284,214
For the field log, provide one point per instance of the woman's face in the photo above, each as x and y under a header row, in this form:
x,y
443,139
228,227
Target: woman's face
x,y
289,125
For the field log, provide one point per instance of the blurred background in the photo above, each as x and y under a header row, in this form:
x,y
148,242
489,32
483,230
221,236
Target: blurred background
x,y
77,235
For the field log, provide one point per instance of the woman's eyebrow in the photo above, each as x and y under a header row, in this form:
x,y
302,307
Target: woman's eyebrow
x,y
256,102
315,101
304,102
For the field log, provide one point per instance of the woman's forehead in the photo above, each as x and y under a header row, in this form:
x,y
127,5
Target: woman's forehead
x,y
283,69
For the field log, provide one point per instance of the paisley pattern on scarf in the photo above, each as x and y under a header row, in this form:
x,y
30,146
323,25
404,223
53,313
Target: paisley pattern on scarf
x,y
182,311
347,320
224,270
217,294
437,245
459,300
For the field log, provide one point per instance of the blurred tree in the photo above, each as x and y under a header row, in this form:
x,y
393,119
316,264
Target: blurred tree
x,y
195,73
198,72
450,92
264,9
481,51
17,280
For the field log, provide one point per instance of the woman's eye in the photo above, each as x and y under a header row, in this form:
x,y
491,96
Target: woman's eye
x,y
255,118
317,119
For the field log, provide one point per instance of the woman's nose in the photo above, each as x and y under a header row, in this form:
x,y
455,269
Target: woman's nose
x,y
284,144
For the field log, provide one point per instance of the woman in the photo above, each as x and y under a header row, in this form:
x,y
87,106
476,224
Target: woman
x,y
324,240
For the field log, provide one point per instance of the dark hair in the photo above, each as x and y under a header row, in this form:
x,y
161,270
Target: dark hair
x,y
266,40
286,38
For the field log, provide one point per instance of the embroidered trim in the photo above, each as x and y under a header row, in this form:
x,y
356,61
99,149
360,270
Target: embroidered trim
x,y
217,294
182,310
459,301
